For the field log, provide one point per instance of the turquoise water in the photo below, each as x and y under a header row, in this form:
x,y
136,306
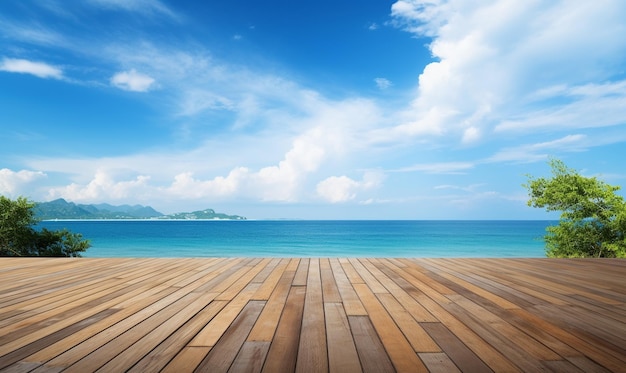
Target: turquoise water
x,y
363,238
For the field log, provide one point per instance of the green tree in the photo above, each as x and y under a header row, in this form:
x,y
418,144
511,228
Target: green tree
x,y
593,216
19,238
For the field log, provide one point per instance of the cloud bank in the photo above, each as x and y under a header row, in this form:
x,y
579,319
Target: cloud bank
x,y
506,65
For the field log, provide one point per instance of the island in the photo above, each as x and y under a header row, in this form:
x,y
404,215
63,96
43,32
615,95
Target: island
x,y
60,209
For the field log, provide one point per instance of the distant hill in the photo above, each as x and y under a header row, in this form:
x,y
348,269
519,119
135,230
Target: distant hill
x,y
204,214
61,209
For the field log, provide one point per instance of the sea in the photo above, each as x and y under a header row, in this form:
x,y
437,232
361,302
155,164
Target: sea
x,y
318,238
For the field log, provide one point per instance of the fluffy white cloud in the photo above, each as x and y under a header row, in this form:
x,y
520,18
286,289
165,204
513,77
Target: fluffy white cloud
x,y
39,69
13,182
280,182
103,187
492,59
132,81
185,186
337,189
330,131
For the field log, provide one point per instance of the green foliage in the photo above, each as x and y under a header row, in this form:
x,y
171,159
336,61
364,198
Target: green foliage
x,y
19,238
593,216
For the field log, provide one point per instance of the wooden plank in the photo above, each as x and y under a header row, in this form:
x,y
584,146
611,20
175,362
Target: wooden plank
x,y
269,284
213,331
131,355
351,302
329,286
242,281
421,283
456,350
226,275
587,365
587,348
438,362
187,360
312,353
261,277
509,332
350,272
168,350
124,314
400,352
223,354
195,272
250,358
59,305
100,355
133,318
474,289
283,351
416,269
414,333
371,281
518,356
10,357
265,327
392,281
342,354
301,273
82,311
372,354
493,358
568,315
562,366
135,309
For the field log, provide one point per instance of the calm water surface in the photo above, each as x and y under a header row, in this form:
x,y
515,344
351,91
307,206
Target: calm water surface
x,y
363,238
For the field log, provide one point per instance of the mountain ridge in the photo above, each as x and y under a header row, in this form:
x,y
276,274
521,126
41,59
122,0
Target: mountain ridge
x,y
62,209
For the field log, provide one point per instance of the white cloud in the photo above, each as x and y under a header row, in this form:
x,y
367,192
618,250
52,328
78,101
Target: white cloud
x,y
337,189
103,187
132,81
39,69
490,58
265,170
383,83
14,182
185,186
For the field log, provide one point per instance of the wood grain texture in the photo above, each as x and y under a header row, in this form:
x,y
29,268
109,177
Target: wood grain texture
x,y
312,314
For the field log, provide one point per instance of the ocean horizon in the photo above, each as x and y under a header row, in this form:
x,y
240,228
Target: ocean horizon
x,y
309,238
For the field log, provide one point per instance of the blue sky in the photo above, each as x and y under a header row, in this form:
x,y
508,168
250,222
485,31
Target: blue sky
x,y
314,110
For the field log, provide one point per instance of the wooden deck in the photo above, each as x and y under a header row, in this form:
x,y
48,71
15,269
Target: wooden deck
x,y
312,315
